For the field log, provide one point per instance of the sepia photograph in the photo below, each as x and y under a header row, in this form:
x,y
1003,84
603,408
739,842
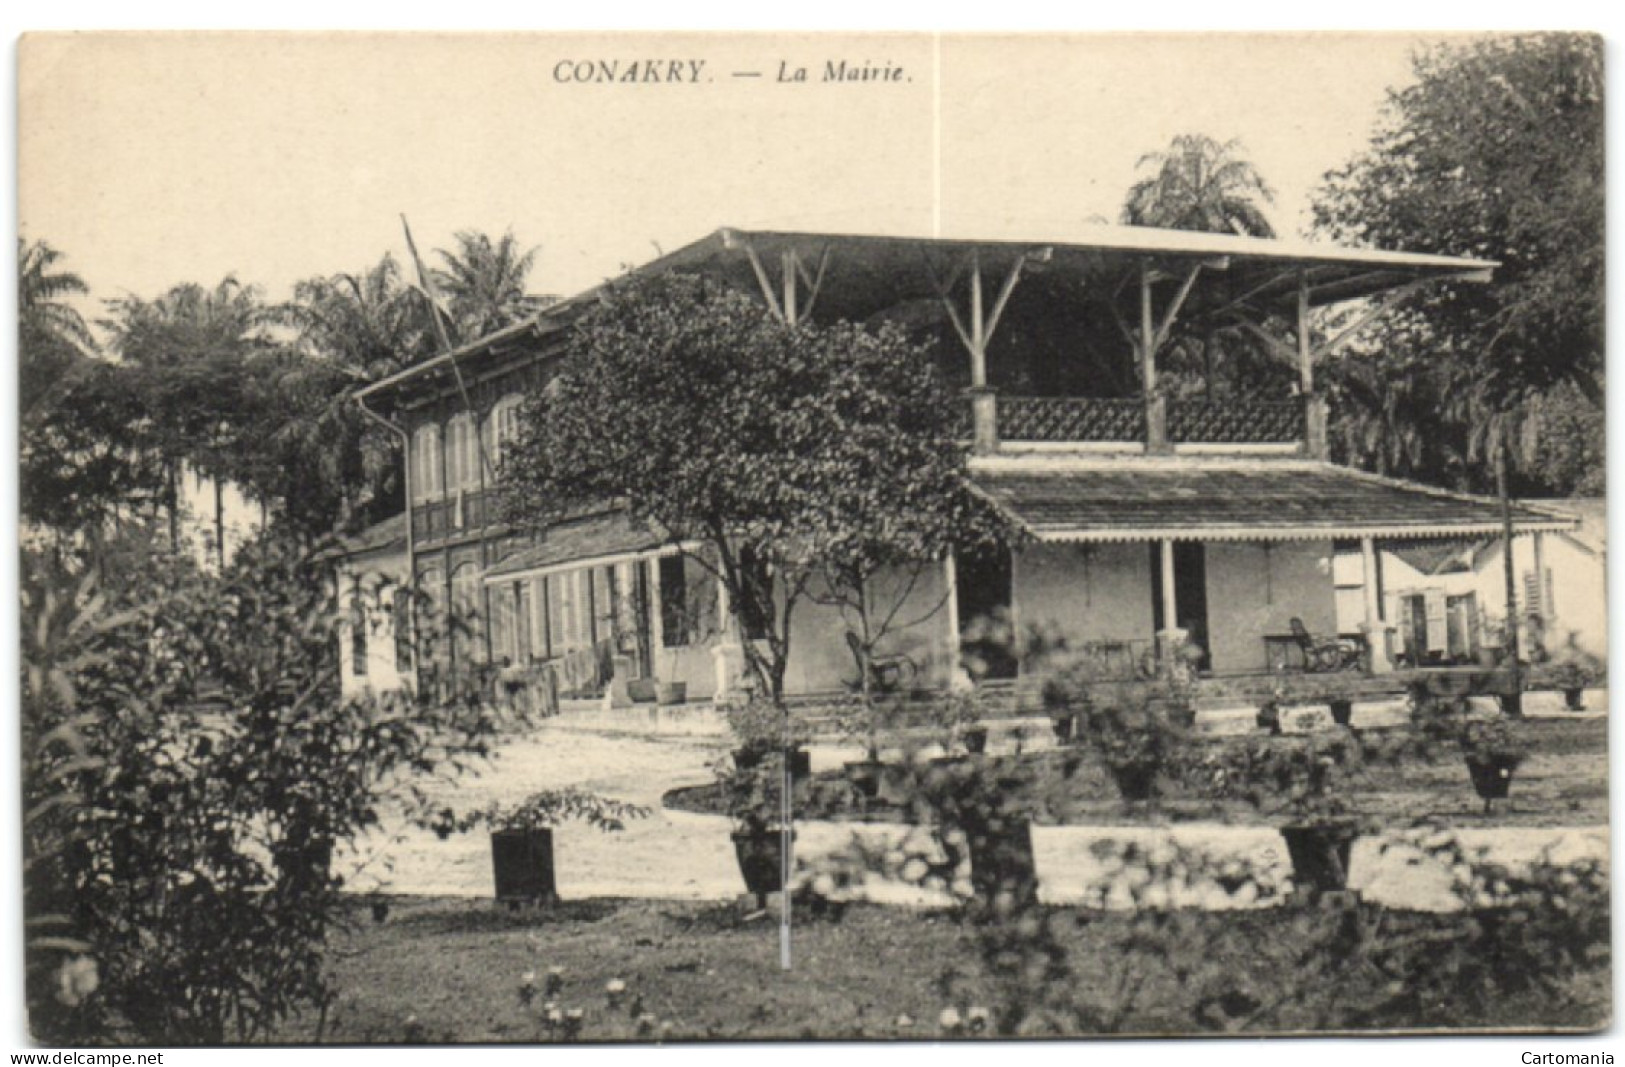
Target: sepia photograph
x,y
677,538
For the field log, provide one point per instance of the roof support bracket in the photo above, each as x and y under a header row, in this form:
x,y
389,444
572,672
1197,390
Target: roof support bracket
x,y
785,300
978,334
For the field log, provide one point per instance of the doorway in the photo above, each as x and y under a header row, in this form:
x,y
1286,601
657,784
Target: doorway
x,y
1190,595
983,585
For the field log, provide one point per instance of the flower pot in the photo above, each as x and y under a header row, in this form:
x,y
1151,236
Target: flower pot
x,y
306,866
642,690
975,739
1574,699
1063,725
1181,715
1320,855
1003,872
1136,781
1342,712
669,693
865,775
761,860
750,757
522,863
1492,777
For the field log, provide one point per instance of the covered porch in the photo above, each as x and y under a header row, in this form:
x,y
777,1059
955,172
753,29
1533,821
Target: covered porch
x,y
1224,569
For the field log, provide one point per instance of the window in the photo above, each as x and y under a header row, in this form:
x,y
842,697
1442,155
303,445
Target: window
x,y
403,630
674,612
756,577
504,426
358,630
468,640
426,470
462,454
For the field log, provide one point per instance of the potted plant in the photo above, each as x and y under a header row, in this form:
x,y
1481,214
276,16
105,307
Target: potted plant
x,y
754,796
1135,732
1575,670
761,729
522,837
1494,749
955,721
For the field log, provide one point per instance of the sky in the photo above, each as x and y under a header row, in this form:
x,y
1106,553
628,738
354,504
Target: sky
x,y
156,159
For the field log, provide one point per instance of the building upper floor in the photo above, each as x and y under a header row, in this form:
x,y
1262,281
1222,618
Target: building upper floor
x,y
1093,340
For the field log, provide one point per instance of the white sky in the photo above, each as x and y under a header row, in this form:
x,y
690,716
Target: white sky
x,y
156,160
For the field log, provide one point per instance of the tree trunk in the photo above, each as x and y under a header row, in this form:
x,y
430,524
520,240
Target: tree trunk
x,y
219,523
172,498
1514,704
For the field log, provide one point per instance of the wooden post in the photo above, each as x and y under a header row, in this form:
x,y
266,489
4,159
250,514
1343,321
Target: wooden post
x,y
950,578
1156,412
1170,601
1543,604
1376,634
1513,703
1306,364
788,267
978,352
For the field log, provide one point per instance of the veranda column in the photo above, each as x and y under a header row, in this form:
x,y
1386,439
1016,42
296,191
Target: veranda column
x,y
1170,638
1376,633
950,605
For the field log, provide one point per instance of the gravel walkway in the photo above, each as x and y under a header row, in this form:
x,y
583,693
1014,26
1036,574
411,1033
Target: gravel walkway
x,y
681,855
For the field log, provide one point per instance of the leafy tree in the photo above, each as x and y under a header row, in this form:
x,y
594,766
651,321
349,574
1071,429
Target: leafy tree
x,y
191,351
53,337
326,459
189,768
484,281
1200,184
798,457
1495,151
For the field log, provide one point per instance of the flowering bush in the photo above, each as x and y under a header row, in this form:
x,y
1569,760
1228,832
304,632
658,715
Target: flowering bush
x,y
548,808
190,767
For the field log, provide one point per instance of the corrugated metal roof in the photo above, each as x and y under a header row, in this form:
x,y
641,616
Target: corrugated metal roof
x,y
1213,501
579,541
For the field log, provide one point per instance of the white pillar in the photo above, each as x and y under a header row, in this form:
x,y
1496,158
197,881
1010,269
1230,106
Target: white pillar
x,y
1170,601
950,603
1376,634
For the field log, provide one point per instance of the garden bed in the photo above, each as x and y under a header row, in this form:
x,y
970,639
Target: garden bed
x,y
450,971
1563,783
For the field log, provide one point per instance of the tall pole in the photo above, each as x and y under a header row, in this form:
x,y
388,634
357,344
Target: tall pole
x,y
1513,703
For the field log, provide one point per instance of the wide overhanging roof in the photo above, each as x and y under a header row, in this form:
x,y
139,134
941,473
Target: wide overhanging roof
x,y
866,273
869,272
1261,501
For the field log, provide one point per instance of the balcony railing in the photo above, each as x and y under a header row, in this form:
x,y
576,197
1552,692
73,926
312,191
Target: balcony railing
x,y
1235,422
468,510
1047,419
1130,420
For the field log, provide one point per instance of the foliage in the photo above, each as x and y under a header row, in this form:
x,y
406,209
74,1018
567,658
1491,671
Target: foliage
x,y
548,808
1127,725
758,726
485,282
1200,184
1494,741
792,454
190,768
52,336
1496,151
1306,776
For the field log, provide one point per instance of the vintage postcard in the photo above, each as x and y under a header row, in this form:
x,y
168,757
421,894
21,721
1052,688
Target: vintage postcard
x,y
659,538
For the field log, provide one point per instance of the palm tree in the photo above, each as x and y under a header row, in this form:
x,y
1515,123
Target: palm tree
x,y
190,352
484,281
353,330
52,336
1200,184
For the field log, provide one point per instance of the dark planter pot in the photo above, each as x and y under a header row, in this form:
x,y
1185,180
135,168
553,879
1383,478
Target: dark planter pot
x,y
669,693
761,860
1320,855
1003,873
1136,781
752,756
1492,777
1064,727
522,862
1574,699
1342,712
975,740
643,690
865,775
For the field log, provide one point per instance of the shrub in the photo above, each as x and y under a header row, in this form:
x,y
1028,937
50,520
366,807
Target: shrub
x,y
190,767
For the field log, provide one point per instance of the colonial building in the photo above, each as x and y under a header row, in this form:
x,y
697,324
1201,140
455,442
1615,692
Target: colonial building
x,y
1143,403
